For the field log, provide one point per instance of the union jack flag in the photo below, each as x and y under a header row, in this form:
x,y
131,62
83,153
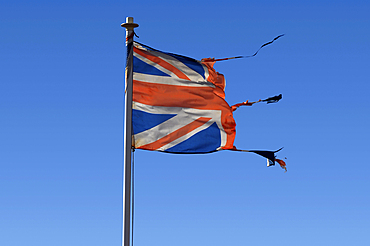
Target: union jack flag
x,y
179,104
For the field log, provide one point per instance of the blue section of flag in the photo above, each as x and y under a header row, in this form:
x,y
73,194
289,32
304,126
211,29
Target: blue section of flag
x,y
142,67
204,141
143,121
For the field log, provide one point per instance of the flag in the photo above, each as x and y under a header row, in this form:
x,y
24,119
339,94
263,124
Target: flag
x,y
179,104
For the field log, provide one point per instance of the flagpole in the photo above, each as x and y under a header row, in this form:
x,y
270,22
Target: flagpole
x,y
129,25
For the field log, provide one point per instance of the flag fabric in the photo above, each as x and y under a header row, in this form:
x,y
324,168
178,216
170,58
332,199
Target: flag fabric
x,y
179,105
273,99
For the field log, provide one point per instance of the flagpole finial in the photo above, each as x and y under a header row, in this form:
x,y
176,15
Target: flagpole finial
x,y
129,25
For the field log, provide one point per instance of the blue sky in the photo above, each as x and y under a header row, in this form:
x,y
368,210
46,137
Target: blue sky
x,y
61,120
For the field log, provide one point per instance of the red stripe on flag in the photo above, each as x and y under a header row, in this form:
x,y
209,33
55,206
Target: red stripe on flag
x,y
177,96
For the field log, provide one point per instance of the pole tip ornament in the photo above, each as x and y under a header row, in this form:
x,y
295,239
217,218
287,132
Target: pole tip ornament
x,y
129,23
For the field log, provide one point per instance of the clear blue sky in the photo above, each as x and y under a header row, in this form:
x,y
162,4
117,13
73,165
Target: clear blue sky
x,y
61,125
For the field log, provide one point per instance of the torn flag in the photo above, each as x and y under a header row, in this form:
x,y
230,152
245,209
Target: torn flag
x,y
179,104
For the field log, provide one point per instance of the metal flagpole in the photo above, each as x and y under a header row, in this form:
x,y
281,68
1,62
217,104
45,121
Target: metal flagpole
x,y
129,25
